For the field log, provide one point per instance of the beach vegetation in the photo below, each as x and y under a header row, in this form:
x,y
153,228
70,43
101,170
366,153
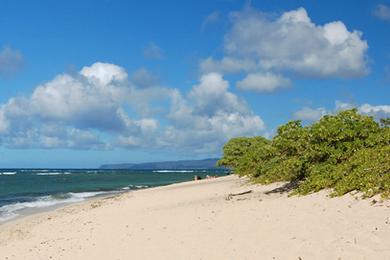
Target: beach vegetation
x,y
344,152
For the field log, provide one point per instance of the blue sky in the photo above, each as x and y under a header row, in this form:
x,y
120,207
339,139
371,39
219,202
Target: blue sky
x,y
90,82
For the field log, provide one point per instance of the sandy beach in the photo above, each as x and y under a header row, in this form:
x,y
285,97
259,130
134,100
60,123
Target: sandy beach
x,y
199,220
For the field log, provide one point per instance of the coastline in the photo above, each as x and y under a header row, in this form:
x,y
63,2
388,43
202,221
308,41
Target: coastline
x,y
23,192
198,220
30,212
36,212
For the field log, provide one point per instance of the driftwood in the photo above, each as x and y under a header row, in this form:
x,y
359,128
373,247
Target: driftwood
x,y
231,195
240,193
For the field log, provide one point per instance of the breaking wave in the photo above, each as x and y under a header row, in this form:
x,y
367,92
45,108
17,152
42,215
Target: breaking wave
x,y
11,211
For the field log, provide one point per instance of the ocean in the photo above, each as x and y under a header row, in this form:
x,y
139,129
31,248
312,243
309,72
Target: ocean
x,y
31,190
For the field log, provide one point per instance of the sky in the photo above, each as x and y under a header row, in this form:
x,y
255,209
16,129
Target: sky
x,y
85,83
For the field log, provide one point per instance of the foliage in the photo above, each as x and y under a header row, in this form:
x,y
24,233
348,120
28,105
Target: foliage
x,y
237,148
344,152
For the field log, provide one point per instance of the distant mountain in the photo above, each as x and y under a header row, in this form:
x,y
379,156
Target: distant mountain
x,y
170,165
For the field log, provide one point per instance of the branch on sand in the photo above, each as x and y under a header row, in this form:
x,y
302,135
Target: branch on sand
x,y
231,195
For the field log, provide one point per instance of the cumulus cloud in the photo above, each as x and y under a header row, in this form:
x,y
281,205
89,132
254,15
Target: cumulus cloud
x,y
100,108
11,61
102,74
377,111
91,100
310,114
208,116
263,82
153,52
382,12
289,44
380,111
313,114
54,136
212,94
295,43
144,78
139,133
340,105
202,120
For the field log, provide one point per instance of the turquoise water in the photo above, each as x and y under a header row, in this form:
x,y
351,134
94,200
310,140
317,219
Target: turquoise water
x,y
22,189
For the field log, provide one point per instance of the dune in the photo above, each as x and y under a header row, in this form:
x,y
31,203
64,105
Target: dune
x,y
200,220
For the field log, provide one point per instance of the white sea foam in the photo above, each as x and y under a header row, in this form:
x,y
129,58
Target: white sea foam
x,y
52,173
166,171
34,170
11,211
92,171
141,186
8,173
84,195
7,216
130,187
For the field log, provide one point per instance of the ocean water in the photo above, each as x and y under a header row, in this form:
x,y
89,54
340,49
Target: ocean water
x,y
24,190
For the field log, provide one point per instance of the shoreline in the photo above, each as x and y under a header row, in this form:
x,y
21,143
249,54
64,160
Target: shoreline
x,y
198,220
27,192
29,212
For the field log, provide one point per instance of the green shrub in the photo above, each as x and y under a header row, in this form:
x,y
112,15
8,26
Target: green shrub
x,y
344,152
237,148
367,171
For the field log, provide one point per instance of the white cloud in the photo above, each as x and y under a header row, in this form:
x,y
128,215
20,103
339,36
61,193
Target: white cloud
x,y
293,42
313,114
209,116
211,131
99,108
11,61
91,100
144,78
310,114
377,111
51,136
153,52
382,12
103,74
212,94
139,133
380,111
4,123
263,82
149,101
340,105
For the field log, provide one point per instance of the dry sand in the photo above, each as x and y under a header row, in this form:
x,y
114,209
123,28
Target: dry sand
x,y
196,220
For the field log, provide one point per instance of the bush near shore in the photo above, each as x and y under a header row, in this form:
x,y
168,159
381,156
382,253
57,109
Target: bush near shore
x,y
343,152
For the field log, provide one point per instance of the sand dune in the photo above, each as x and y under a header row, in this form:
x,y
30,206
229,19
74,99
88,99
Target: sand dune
x,y
198,220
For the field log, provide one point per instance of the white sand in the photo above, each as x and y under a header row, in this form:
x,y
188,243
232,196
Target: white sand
x,y
194,220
